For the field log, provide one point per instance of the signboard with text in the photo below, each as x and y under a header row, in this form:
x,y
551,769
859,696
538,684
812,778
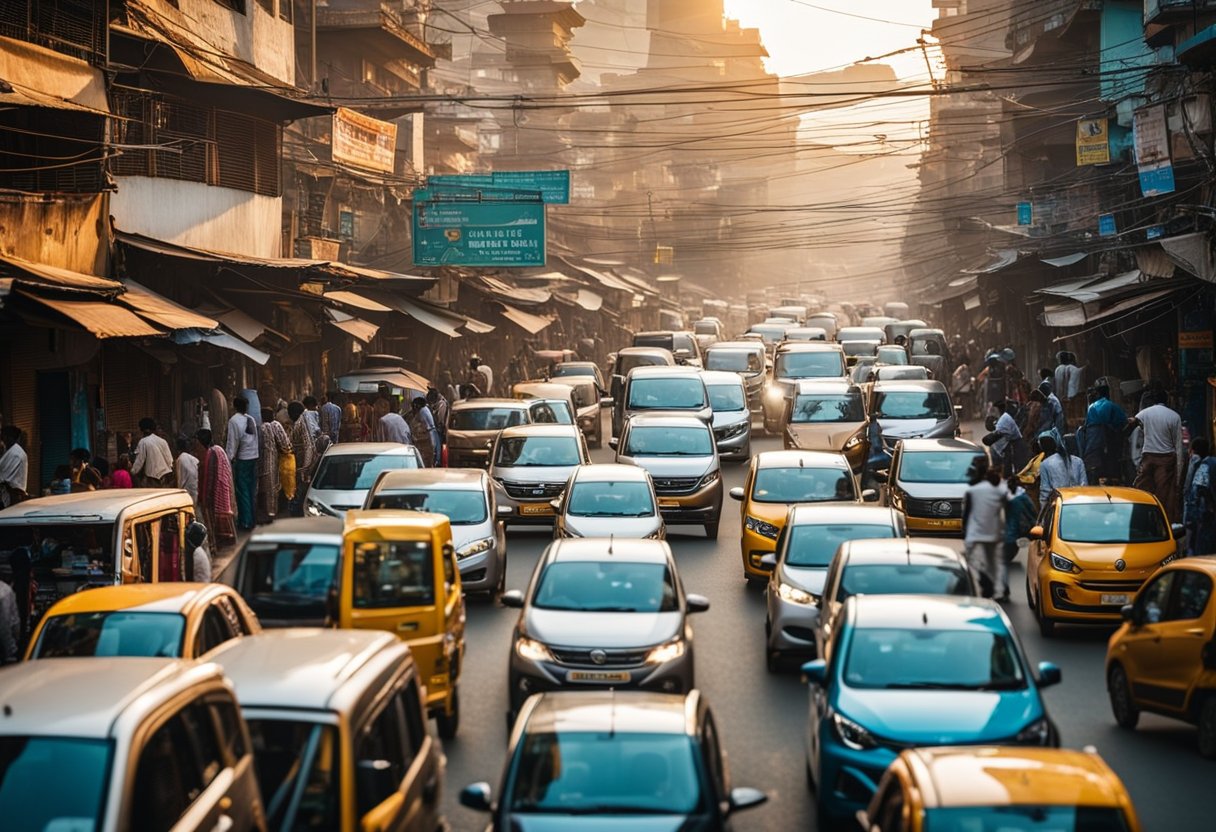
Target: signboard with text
x,y
552,185
364,141
1093,142
478,233
1153,151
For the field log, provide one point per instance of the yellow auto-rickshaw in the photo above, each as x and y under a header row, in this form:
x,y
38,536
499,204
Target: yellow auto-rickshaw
x,y
399,574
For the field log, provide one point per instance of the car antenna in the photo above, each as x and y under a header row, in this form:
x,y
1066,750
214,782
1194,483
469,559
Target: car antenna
x,y
611,541
801,462
924,618
612,713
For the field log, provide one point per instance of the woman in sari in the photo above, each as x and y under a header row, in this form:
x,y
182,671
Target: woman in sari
x,y
215,492
274,444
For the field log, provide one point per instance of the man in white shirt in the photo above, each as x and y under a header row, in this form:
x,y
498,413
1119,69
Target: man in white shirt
x,y
14,467
1161,455
242,450
984,527
185,471
153,463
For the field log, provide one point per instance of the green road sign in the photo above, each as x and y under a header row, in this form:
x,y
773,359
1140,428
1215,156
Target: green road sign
x,y
468,233
553,185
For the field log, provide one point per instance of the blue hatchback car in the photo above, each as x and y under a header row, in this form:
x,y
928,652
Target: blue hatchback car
x,y
916,670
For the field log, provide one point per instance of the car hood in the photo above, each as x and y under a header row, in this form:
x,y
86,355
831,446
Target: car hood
x,y
672,466
471,438
934,490
1141,559
823,437
338,500
941,717
911,428
722,418
543,473
628,527
600,823
609,630
810,578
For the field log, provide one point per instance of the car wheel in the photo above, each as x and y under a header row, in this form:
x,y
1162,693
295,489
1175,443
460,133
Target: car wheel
x,y
810,782
1047,627
711,530
1207,727
1030,599
772,660
1121,703
449,723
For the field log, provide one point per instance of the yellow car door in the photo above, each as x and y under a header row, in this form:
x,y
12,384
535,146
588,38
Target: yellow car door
x,y
1179,654
1141,646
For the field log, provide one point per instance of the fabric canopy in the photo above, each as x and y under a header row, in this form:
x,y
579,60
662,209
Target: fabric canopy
x,y
525,320
223,340
104,320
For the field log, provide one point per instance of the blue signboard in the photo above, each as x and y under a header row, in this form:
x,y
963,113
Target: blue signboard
x,y
478,233
552,185
1157,179
1106,225
1155,232
1025,213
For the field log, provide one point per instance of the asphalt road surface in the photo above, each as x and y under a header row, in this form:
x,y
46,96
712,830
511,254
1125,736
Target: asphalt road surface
x,y
762,716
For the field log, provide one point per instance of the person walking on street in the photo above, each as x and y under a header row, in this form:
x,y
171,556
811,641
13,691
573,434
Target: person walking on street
x,y
242,450
1161,456
215,495
1008,446
10,625
983,530
1059,469
153,463
439,409
14,467
426,436
1102,438
312,416
185,471
304,448
391,426
331,417
1200,514
1051,416
1020,514
273,447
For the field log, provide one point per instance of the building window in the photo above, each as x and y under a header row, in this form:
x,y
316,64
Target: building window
x,y
235,5
73,27
267,6
287,10
51,151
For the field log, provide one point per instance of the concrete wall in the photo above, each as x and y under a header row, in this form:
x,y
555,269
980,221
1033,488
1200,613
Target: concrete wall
x,y
256,37
194,214
64,230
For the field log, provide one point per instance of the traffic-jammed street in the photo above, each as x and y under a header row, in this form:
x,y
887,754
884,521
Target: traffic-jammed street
x,y
763,716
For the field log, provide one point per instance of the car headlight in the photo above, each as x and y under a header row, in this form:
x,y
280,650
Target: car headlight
x,y
533,650
666,652
854,440
315,509
1062,564
474,548
709,479
755,524
851,734
1036,733
794,595
731,431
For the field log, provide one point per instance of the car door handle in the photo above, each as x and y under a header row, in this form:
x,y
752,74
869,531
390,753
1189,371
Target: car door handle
x,y
1196,631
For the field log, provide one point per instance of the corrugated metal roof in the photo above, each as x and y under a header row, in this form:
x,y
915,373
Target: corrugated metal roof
x,y
40,274
161,310
104,320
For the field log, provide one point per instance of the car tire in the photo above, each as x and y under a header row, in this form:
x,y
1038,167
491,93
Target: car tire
x,y
1207,727
1030,599
772,661
1122,706
711,530
449,724
811,785
1047,627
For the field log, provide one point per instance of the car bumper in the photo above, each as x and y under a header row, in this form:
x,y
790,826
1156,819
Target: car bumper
x,y
753,547
847,779
537,512
1066,598
792,625
933,525
701,506
736,447
526,677
480,572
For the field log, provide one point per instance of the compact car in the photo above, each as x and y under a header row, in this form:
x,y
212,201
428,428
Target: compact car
x,y
347,470
531,465
926,482
732,422
828,415
474,424
682,459
606,500
288,571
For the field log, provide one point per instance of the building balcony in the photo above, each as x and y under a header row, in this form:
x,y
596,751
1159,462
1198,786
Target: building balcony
x,y
380,27
1172,11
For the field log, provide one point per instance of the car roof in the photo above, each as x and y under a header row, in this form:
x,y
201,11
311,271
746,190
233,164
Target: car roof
x,y
409,520
156,597
73,697
543,389
898,550
937,611
471,478
833,386
291,528
90,506
801,459
607,711
950,443
721,378
1197,563
301,667
369,449
477,404
674,420
606,549
910,385
1002,776
1105,494
743,346
591,364
808,346
610,472
644,350
664,371
818,514
539,430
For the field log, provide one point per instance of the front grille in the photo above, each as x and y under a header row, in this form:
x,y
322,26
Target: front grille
x,y
935,508
612,658
1111,586
533,490
675,485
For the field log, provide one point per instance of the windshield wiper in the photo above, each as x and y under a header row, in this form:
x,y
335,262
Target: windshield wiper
x,y
931,686
609,609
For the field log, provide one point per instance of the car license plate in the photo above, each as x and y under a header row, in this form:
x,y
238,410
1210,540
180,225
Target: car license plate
x,y
1113,600
538,510
597,676
669,504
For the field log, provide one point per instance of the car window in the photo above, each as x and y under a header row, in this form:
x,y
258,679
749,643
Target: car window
x,y
724,398
606,586
666,393
393,574
178,762
229,721
803,485
380,763
288,579
1154,599
214,631
415,721
903,579
923,658
656,441
912,404
828,407
620,498
283,749
816,545
936,466
1026,816
537,451
463,507
358,472
486,418
52,783
797,364
235,619
1108,522
551,412
1194,590
119,633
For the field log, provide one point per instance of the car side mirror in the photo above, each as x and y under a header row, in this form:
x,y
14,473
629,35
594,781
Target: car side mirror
x,y
614,442
513,599
769,561
736,493
696,603
477,797
505,511
745,798
374,778
815,673
1178,529
869,496
882,476
1035,533
1049,674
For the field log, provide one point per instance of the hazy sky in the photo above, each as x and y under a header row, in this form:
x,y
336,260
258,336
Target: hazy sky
x,y
801,38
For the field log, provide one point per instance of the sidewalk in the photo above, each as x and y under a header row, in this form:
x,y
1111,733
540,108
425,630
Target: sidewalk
x,y
222,563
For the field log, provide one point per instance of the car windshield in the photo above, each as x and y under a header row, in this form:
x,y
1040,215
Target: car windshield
x,y
1113,523
705,328
734,361
803,485
826,364
288,580
828,407
860,347
936,466
53,783
574,370
295,763
903,579
892,355
463,507
724,398
671,393
357,472
610,499
770,333
537,451
606,586
487,418
815,545
605,773
926,658
393,574
912,404
1025,818
656,441
927,346
117,633
551,412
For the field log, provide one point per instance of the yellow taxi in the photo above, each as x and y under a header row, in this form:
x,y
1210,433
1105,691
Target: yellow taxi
x,y
399,574
1163,658
775,481
1090,552
998,788
168,620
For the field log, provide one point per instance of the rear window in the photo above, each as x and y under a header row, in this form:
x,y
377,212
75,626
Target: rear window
x,y
462,507
393,574
666,394
655,441
826,364
912,404
625,363
288,580
357,472
486,418
734,361
816,545
936,466
803,485
120,633
903,579
664,340
1026,818
705,328
825,407
1113,523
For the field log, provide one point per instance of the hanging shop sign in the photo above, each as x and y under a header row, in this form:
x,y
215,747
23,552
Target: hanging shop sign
x,y
472,232
1153,151
1025,213
552,185
1106,225
1093,141
364,141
